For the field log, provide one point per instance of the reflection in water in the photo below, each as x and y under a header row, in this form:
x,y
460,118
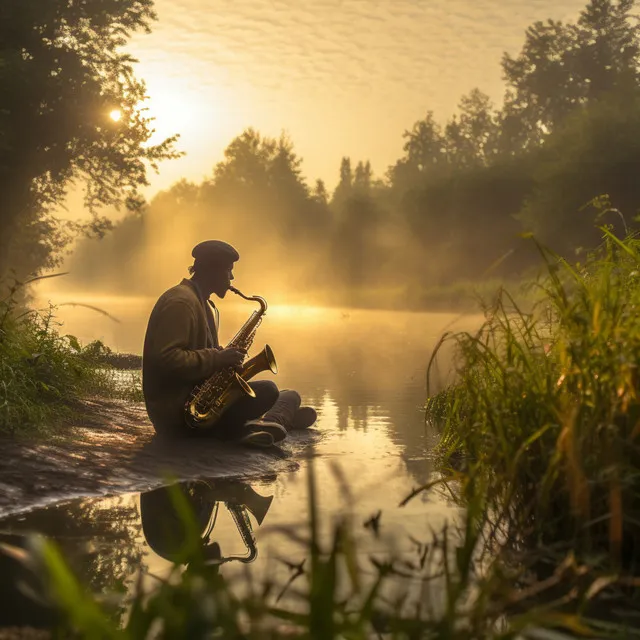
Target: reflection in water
x,y
22,591
166,531
103,539
99,539
98,535
112,543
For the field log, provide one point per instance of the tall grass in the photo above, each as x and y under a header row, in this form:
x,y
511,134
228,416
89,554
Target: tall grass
x,y
44,375
546,411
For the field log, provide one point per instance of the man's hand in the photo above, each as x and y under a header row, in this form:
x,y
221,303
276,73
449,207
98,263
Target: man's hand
x,y
230,358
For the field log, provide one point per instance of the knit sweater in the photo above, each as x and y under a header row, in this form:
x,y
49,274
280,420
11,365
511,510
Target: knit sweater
x,y
178,354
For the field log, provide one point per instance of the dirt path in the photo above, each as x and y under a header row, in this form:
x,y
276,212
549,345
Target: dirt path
x,y
115,451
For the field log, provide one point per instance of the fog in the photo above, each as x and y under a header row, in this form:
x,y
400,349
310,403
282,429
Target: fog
x,y
360,246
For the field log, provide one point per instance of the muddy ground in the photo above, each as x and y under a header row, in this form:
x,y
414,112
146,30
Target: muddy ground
x,y
114,450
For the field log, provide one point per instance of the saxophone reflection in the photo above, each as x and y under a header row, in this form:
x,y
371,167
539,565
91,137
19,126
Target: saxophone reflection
x,y
166,531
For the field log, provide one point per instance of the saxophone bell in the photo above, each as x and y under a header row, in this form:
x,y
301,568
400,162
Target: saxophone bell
x,y
264,361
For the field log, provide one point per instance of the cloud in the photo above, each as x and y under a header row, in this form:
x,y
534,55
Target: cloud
x,y
403,56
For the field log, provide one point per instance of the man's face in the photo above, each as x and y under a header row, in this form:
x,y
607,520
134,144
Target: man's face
x,y
220,280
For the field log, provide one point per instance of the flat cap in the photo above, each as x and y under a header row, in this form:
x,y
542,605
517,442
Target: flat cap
x,y
215,251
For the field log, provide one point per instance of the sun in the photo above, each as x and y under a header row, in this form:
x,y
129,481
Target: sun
x,y
115,115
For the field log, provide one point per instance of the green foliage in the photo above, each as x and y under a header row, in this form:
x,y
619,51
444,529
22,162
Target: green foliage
x,y
564,135
563,67
595,152
44,375
546,408
62,71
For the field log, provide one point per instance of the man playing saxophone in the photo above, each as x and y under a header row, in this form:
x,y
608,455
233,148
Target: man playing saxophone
x,y
181,350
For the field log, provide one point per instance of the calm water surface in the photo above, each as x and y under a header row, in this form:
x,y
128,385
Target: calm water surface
x,y
364,371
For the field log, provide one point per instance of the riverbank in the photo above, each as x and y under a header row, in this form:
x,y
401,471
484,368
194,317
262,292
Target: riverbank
x,y
112,449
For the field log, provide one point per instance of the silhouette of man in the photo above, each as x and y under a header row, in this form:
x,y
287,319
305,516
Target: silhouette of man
x,y
181,349
167,533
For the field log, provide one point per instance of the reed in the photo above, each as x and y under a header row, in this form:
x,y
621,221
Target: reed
x,y
545,407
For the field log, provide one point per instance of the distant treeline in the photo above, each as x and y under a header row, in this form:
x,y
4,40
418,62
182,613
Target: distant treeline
x,y
453,207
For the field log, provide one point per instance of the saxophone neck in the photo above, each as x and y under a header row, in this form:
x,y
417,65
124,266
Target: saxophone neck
x,y
260,300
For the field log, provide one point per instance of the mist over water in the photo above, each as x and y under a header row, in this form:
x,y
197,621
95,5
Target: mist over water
x,y
361,369
314,269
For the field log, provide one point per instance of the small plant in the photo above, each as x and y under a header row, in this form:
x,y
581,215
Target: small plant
x,y
44,375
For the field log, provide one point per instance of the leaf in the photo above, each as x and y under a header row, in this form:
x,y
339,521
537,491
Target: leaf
x,y
571,622
74,342
599,584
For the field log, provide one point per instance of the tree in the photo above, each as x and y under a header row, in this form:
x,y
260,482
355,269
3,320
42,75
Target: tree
x,y
596,153
562,67
260,176
62,73
353,248
478,128
320,193
541,86
608,55
285,175
424,152
363,175
345,185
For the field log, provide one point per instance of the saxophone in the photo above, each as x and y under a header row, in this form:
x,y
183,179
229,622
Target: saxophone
x,y
209,399
241,518
239,507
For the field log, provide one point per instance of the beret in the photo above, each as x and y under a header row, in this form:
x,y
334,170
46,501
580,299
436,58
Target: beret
x,y
215,251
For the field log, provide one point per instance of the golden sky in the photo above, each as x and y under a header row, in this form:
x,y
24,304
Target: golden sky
x,y
341,77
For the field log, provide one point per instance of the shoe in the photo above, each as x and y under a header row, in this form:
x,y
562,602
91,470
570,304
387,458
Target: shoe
x,y
304,417
258,439
277,432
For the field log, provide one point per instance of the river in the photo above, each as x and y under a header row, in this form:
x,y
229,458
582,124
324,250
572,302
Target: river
x,y
364,371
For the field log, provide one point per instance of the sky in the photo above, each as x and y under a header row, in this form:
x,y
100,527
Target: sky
x,y
340,77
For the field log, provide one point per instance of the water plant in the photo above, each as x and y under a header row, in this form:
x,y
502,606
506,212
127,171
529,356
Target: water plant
x,y
546,408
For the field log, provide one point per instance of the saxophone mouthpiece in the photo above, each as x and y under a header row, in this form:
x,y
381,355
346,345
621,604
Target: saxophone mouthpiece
x,y
260,300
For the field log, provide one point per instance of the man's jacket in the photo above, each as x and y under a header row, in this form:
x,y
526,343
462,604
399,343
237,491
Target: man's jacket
x,y
178,354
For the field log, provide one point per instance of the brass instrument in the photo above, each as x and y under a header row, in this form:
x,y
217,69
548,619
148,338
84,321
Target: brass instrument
x,y
166,532
240,514
211,398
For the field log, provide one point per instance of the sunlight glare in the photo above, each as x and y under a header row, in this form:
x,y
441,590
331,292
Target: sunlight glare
x,y
187,107
174,112
115,115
